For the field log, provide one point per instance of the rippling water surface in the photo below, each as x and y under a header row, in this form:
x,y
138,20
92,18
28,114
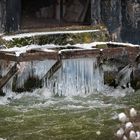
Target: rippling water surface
x,y
41,116
75,104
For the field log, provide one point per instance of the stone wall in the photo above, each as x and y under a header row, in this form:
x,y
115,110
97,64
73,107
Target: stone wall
x,y
131,21
111,16
122,17
95,11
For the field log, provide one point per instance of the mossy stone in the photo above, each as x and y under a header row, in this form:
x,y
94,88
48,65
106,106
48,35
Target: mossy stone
x,y
60,39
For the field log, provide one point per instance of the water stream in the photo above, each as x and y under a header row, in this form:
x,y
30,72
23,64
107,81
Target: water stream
x,y
73,104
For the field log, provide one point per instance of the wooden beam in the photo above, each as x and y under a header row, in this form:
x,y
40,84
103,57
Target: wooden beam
x,y
4,80
38,56
53,70
8,56
74,54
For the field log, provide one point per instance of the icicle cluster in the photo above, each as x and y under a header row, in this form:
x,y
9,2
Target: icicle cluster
x,y
76,76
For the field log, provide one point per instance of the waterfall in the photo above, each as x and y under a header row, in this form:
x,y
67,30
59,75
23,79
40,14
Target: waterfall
x,y
66,77
76,77
73,77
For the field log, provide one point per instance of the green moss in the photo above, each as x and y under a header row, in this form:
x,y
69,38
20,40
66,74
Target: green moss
x,y
19,42
102,46
61,39
2,42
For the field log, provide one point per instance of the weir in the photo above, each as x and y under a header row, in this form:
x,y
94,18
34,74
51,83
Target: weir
x,y
70,69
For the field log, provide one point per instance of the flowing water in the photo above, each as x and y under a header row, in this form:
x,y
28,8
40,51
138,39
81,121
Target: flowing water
x,y
73,105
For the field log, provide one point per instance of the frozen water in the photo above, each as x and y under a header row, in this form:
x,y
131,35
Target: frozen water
x,y
77,77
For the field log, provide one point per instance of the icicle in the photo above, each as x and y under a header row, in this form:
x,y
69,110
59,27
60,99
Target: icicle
x,y
76,76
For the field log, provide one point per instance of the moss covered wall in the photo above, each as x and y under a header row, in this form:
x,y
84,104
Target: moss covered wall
x,y
59,39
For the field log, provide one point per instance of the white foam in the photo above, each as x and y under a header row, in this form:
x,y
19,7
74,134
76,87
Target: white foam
x,y
4,101
3,139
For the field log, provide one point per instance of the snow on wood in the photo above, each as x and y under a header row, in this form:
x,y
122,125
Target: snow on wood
x,y
122,44
8,76
55,52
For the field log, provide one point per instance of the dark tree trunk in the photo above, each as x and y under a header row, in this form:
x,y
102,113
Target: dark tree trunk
x,y
13,15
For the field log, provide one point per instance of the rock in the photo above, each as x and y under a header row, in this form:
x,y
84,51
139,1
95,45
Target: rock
x,y
2,93
122,117
120,133
110,78
135,79
133,113
128,126
122,17
132,135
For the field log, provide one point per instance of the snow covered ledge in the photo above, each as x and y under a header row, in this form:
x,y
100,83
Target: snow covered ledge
x,y
56,37
24,35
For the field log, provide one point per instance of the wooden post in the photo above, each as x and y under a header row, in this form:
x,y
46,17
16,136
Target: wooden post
x,y
53,70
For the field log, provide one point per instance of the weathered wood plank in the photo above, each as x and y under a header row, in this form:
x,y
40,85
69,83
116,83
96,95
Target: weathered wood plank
x,y
53,70
38,56
73,54
133,53
106,53
8,76
8,56
112,52
130,52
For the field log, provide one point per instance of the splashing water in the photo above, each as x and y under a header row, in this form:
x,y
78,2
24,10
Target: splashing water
x,y
73,103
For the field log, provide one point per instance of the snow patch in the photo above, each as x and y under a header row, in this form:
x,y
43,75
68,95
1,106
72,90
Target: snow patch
x,y
8,38
50,47
123,44
19,51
